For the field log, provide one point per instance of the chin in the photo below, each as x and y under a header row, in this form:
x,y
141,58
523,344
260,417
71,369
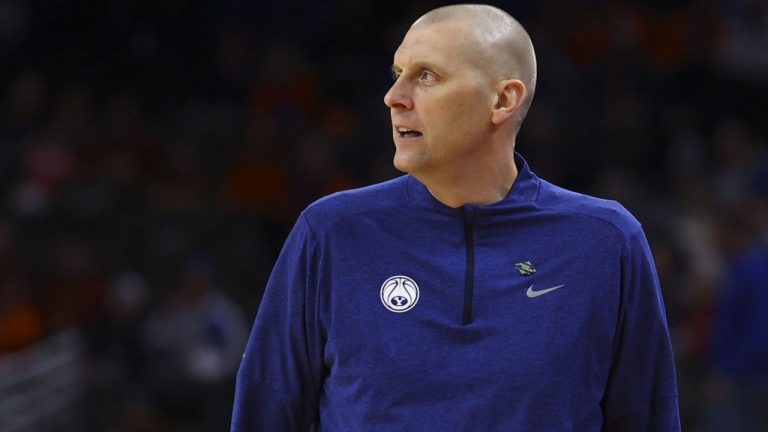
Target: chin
x,y
414,161
401,168
404,163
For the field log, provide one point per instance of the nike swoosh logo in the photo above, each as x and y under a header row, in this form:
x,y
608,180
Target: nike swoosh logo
x,y
532,294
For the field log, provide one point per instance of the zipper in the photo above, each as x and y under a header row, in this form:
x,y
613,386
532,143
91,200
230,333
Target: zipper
x,y
469,277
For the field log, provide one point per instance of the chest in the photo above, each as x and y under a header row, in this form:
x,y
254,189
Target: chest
x,y
542,299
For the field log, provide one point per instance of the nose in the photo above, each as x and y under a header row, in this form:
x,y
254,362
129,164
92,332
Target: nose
x,y
398,96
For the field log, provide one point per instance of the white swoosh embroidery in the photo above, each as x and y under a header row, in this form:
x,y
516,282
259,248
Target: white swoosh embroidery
x,y
531,293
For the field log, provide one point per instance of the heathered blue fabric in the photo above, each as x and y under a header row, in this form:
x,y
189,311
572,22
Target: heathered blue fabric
x,y
593,355
740,334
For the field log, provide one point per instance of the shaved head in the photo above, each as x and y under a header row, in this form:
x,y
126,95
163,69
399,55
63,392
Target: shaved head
x,y
499,44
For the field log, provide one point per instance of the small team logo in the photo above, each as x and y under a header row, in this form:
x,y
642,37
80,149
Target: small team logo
x,y
399,294
525,268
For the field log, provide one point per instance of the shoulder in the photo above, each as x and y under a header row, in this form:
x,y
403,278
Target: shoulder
x,y
340,206
589,209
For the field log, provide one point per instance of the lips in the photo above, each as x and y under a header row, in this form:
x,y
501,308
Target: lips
x,y
406,132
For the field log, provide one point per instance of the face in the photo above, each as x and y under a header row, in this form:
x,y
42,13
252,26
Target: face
x,y
441,101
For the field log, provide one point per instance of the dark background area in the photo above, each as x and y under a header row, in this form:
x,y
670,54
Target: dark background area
x,y
154,155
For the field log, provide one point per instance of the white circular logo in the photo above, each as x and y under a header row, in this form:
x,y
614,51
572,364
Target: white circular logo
x,y
399,294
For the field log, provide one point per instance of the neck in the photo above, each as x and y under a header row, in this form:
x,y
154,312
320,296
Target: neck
x,y
481,184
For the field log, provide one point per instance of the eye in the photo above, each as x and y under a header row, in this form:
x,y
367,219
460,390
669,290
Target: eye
x,y
427,77
395,74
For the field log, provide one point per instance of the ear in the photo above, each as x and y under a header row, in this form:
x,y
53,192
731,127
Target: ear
x,y
509,97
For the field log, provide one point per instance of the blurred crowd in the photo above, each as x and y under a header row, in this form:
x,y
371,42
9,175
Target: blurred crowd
x,y
154,155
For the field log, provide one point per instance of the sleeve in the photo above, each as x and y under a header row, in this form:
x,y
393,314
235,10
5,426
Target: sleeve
x,y
731,346
728,344
641,394
280,375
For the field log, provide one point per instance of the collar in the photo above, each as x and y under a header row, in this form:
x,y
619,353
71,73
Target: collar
x,y
524,190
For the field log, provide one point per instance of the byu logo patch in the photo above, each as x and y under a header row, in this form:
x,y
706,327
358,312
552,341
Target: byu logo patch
x,y
399,294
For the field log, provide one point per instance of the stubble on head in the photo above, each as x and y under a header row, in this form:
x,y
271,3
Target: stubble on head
x,y
497,44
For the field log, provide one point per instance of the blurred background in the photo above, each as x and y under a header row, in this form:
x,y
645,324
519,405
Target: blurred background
x,y
154,155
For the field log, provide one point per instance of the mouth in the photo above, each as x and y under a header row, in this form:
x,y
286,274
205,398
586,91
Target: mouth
x,y
407,133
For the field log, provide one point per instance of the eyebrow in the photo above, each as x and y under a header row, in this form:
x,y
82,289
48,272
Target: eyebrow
x,y
421,65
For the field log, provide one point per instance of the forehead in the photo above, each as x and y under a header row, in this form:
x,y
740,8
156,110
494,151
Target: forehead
x,y
440,43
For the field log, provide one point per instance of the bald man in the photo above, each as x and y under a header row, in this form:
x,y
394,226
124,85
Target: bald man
x,y
468,294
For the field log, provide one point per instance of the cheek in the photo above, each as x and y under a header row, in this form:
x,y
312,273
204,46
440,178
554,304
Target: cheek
x,y
463,113
462,106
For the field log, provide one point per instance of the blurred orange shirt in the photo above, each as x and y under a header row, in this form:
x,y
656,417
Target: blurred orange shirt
x,y
20,325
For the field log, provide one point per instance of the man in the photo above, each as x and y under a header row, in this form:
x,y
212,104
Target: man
x,y
468,295
738,387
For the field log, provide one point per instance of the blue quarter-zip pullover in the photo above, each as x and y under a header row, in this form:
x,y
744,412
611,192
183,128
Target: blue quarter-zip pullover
x,y
389,311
